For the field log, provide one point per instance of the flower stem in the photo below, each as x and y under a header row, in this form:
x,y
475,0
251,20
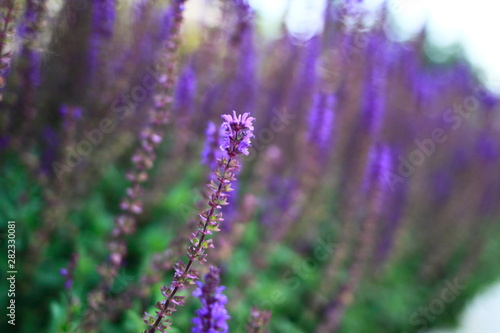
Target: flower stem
x,y
198,247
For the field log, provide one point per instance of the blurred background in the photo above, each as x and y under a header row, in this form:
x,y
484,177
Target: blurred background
x,y
368,202
452,26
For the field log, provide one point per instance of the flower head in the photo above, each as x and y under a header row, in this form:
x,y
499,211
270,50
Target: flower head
x,y
237,132
212,317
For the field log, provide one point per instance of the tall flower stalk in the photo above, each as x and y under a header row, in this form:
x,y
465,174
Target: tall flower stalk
x,y
237,132
374,182
143,160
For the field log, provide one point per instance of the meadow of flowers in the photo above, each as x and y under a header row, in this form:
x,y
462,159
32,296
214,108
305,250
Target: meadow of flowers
x,y
203,176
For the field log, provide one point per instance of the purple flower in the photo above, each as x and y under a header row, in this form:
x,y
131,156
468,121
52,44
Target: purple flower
x,y
321,118
102,22
308,65
326,128
68,273
185,92
379,166
237,132
207,153
243,86
50,140
374,102
314,117
70,115
210,152
212,317
29,25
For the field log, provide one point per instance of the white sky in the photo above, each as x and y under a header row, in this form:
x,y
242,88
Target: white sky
x,y
474,24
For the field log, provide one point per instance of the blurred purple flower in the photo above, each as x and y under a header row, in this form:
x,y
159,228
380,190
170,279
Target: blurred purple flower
x,y
49,153
396,205
211,151
487,150
442,185
244,86
308,78
321,118
326,129
4,141
374,99
102,21
185,92
70,114
34,69
378,168
68,273
28,27
212,317
314,116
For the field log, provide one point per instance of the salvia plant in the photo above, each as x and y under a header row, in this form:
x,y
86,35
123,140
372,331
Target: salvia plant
x,y
354,183
237,132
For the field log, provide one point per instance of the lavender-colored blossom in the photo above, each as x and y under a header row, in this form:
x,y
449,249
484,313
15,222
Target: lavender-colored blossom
x,y
102,21
379,167
30,66
150,42
321,118
281,190
396,206
29,26
68,282
308,78
212,317
34,59
325,132
211,151
245,15
237,132
50,141
70,114
68,273
314,117
442,186
165,29
374,99
185,92
210,139
242,89
487,150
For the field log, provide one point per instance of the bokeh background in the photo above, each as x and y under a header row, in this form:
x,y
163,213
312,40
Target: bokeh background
x,y
368,203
